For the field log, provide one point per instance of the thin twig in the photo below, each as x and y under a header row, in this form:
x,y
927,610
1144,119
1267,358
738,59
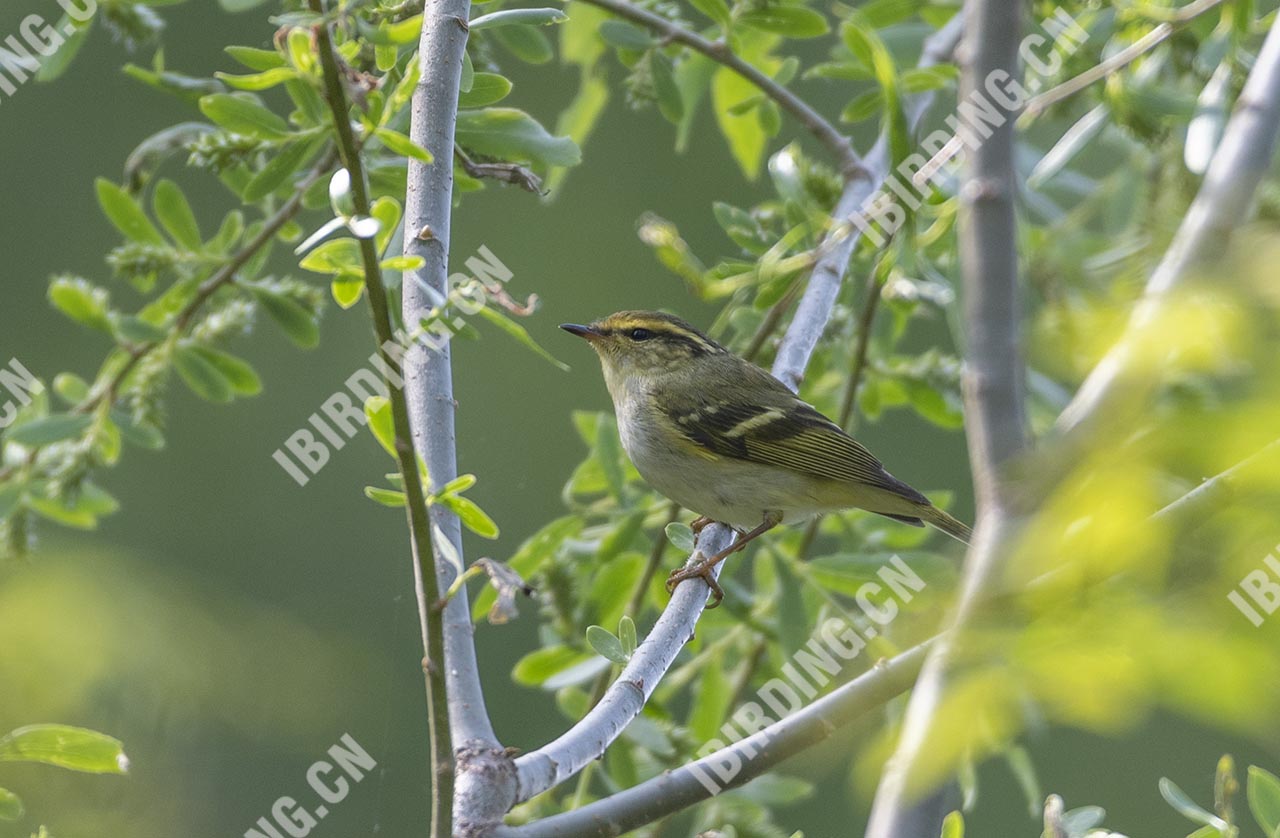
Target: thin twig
x,y
562,758
674,790
994,412
415,497
1116,62
512,173
851,165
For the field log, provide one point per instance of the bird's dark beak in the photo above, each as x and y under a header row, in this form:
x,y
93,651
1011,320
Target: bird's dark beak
x,y
587,332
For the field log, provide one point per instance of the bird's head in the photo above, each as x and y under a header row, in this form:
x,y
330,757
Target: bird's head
x,y
644,344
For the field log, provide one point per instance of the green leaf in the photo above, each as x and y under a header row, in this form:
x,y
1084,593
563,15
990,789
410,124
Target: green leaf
x,y
265,80
681,536
711,700
664,87
746,137
623,35
81,513
256,59
524,42
66,747
537,667
243,114
1185,806
521,17
242,377
1264,799
606,645
50,429
792,622
953,825
234,6
337,256
386,497
278,169
717,10
400,144
137,330
521,334
81,301
346,290
126,214
70,387
513,135
10,497
297,322
863,106
53,66
204,379
486,89
176,216
10,806
791,21
627,634
381,423
471,515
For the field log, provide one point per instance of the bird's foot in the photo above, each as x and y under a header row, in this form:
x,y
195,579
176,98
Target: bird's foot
x,y
699,524
700,570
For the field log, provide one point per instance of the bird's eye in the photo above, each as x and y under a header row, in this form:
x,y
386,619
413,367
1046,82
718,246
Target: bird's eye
x,y
640,334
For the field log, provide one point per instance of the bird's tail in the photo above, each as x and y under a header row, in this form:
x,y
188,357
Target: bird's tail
x,y
951,526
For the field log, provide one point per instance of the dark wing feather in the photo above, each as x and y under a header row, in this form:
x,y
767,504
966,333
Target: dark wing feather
x,y
776,428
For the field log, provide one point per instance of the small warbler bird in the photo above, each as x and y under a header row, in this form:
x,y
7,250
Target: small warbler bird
x,y
727,440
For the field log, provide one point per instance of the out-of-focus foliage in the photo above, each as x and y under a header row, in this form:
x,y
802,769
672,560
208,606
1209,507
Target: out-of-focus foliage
x,y
1116,606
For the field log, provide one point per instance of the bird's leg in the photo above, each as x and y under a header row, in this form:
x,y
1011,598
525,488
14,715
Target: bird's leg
x,y
702,570
699,524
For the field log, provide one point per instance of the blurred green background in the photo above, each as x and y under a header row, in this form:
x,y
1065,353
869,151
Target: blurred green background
x,y
230,626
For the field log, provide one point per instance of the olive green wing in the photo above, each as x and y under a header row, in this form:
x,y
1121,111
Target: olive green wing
x,y
778,429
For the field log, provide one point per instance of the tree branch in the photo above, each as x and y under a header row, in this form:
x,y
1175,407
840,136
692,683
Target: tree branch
x,y
588,739
415,499
1223,203
675,790
994,414
836,250
851,165
485,779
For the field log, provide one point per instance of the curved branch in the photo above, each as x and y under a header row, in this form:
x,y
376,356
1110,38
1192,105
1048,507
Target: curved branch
x,y
675,790
851,165
994,413
836,250
1223,203
483,777
588,739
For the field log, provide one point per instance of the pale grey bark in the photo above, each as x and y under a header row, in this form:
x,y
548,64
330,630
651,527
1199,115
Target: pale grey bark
x,y
674,790
482,770
994,414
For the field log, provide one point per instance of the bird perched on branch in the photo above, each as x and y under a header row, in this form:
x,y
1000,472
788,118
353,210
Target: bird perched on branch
x,y
727,440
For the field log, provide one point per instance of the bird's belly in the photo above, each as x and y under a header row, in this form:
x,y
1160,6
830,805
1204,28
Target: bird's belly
x,y
734,492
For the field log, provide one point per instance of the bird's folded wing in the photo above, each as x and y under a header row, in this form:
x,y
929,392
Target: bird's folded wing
x,y
783,432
